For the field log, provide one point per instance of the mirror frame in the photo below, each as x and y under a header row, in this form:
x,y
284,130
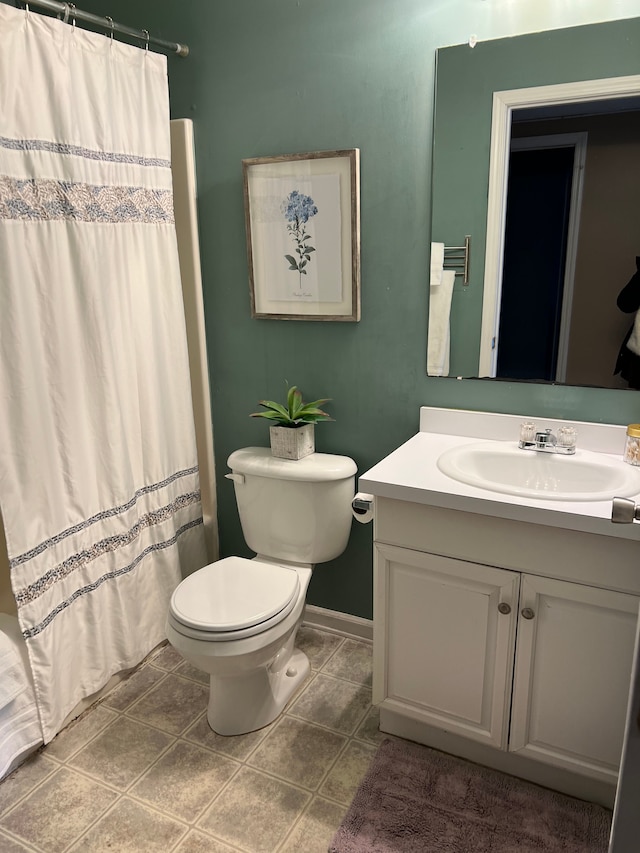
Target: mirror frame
x,y
504,103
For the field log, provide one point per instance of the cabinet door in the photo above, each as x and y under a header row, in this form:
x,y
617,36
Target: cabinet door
x,y
446,647
573,666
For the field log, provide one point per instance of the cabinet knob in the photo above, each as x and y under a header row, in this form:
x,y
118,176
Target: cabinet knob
x,y
505,608
527,613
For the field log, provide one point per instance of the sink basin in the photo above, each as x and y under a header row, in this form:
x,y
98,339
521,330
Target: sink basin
x,y
503,467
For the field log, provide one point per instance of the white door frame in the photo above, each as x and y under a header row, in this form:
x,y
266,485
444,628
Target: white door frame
x,y
503,105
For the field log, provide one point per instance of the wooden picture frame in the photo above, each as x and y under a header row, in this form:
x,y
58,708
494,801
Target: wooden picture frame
x,y
302,216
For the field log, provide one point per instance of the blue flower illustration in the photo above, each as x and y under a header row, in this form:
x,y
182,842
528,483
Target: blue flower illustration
x,y
298,210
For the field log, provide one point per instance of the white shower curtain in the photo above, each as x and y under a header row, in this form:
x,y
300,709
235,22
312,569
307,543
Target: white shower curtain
x,y
99,487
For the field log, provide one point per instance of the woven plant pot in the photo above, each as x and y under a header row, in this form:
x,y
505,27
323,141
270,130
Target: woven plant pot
x,y
292,442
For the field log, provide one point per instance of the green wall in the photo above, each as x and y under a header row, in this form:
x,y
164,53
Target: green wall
x,y
271,77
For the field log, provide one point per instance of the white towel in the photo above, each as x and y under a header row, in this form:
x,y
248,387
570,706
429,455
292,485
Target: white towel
x,y
12,678
437,263
439,313
20,731
634,341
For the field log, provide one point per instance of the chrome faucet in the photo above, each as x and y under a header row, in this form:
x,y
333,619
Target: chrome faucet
x,y
546,441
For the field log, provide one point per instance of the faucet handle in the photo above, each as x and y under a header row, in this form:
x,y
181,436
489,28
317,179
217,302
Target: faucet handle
x,y
527,431
567,436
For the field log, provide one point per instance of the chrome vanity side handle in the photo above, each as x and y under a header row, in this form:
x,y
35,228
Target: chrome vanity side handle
x,y
624,511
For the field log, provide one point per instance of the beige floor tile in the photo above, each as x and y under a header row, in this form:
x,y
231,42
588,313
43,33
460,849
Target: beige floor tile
x,y
8,845
24,779
353,661
188,670
167,658
185,780
236,746
316,828
134,687
121,752
347,773
185,788
369,728
317,645
298,752
131,828
58,811
198,842
173,705
254,812
78,733
340,705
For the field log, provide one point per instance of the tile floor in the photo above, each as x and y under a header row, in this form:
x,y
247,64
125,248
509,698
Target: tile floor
x,y
142,771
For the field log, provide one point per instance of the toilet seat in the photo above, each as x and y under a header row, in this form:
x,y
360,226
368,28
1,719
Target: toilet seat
x,y
233,598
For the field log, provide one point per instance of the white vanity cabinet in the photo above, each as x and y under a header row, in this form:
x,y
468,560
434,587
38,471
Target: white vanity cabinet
x,y
448,650
506,642
572,671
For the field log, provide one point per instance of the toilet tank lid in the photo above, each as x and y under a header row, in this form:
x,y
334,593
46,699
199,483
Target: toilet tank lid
x,y
317,467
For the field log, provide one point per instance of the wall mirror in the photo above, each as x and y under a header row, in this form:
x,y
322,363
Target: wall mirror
x,y
535,144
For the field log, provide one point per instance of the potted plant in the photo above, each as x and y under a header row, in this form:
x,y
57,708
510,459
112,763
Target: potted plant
x,y
292,433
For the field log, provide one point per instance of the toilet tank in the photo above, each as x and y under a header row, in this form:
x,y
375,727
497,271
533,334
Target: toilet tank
x,y
294,510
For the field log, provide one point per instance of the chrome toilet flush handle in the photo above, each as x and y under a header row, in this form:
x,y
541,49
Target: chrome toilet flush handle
x,y
237,478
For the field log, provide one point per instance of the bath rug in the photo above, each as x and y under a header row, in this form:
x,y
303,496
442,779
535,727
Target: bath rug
x,y
416,800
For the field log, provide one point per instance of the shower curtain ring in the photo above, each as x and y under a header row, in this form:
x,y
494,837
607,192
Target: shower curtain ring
x,y
72,7
65,17
111,24
146,36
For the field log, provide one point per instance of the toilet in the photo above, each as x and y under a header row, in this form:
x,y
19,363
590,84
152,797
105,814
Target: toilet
x,y
237,619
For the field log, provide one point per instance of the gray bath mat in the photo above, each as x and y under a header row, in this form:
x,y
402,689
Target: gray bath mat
x,y
416,800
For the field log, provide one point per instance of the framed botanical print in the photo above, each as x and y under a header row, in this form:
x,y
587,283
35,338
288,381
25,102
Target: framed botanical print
x,y
302,214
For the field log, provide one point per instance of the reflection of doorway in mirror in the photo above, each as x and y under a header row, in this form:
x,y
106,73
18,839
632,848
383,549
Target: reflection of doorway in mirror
x,y
609,111
541,237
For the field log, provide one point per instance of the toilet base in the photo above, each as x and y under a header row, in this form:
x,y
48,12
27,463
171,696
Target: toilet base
x,y
243,703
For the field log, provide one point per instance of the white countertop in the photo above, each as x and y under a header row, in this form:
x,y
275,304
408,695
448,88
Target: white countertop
x,y
411,472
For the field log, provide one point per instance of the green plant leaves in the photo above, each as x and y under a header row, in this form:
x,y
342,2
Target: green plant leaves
x,y
294,401
296,412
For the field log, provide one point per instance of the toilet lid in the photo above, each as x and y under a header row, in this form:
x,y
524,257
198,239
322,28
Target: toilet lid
x,y
233,594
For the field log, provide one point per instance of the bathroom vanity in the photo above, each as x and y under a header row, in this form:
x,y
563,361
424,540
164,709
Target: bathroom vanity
x,y
504,624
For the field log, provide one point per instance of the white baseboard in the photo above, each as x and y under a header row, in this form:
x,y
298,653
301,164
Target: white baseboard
x,y
338,623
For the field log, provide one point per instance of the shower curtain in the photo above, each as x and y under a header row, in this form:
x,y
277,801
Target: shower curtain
x,y
99,489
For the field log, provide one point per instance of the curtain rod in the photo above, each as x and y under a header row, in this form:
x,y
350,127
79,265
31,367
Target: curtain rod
x,y
68,10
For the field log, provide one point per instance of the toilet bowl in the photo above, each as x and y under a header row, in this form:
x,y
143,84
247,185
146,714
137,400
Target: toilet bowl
x,y
237,619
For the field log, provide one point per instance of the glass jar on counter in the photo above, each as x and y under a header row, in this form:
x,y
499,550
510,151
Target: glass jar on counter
x,y
632,445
